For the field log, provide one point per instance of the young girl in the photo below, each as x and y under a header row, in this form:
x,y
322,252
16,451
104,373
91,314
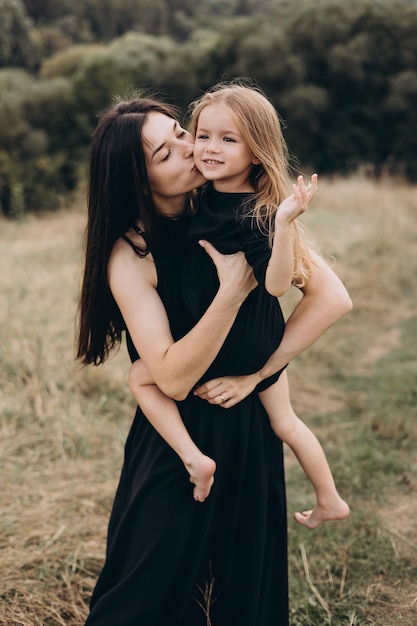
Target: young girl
x,y
240,149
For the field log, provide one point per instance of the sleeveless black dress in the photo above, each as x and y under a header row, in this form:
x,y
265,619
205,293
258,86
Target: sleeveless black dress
x,y
259,326
171,560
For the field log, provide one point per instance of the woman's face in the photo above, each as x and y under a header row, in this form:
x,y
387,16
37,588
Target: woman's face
x,y
170,162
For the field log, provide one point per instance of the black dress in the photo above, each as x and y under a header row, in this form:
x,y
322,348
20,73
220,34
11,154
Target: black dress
x,y
259,327
171,560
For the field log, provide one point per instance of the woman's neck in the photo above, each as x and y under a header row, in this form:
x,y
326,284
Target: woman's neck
x,y
173,207
227,187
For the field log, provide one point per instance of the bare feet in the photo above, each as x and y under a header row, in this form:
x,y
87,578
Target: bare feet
x,y
201,469
337,510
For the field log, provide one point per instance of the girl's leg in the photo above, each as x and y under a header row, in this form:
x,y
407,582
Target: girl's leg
x,y
310,454
163,414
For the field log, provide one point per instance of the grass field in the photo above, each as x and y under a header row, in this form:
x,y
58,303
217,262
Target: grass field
x,y
62,429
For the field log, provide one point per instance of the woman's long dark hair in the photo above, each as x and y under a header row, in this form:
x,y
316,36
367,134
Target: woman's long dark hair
x,y
119,196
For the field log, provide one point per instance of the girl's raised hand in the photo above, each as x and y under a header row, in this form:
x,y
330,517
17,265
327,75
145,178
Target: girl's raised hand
x,y
312,187
297,202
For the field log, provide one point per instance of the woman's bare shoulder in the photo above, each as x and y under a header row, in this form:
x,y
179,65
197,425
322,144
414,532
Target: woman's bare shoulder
x,y
125,261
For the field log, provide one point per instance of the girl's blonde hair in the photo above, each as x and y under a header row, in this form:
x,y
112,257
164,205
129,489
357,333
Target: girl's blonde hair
x,y
260,126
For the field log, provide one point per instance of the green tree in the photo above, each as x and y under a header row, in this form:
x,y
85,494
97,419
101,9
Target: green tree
x,y
34,161
342,76
134,61
16,45
66,62
48,11
351,52
400,114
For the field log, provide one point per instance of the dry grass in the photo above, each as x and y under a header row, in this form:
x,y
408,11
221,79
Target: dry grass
x,y
62,429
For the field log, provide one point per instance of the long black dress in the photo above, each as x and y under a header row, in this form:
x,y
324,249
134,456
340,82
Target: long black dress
x,y
171,560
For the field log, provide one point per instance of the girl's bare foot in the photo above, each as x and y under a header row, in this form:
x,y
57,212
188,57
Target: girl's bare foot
x,y
337,510
201,469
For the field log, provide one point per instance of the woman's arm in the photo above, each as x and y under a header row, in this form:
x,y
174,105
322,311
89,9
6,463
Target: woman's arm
x,y
325,300
176,366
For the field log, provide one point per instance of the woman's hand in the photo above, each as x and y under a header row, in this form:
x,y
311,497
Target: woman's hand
x,y
234,272
228,390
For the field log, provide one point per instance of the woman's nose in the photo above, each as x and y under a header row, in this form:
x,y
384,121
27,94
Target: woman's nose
x,y
188,145
189,150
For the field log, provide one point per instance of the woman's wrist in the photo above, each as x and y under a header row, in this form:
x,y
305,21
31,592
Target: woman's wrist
x,y
271,367
231,298
258,377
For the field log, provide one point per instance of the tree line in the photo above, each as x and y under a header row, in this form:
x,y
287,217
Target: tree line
x,y
343,77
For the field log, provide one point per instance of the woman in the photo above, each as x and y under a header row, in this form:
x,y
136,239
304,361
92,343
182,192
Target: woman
x,y
169,559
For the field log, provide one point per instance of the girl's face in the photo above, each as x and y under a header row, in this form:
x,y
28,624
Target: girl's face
x,y
170,162
220,152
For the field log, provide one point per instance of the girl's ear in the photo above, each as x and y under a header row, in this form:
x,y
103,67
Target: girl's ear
x,y
256,161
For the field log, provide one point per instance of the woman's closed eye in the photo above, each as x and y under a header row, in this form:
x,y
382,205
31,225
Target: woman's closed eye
x,y
181,135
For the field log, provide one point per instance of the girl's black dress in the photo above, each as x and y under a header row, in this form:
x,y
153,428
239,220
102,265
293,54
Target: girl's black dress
x,y
171,560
